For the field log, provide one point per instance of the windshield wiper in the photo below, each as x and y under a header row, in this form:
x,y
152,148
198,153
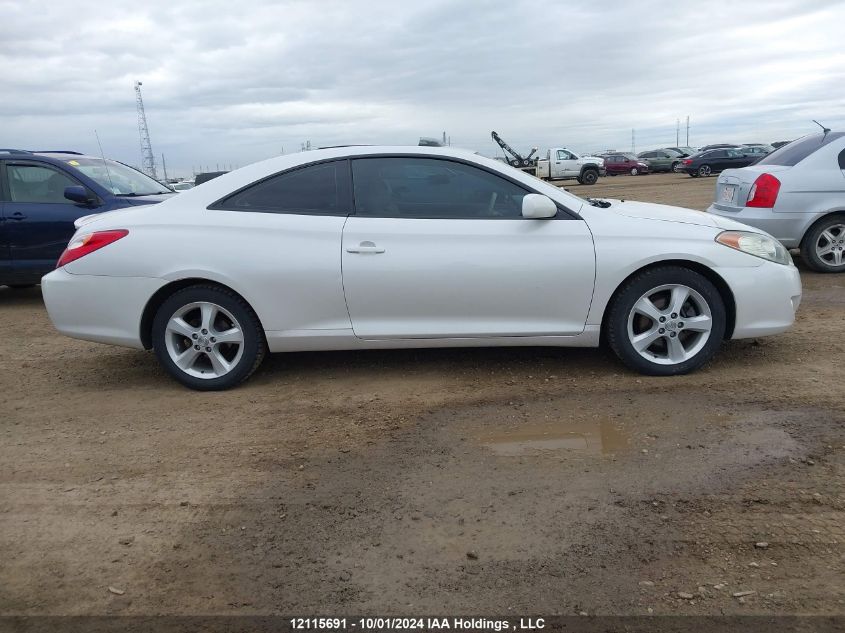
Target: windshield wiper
x,y
148,193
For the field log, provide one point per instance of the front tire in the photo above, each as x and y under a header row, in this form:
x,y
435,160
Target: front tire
x,y
676,168
634,171
589,177
666,321
208,338
823,248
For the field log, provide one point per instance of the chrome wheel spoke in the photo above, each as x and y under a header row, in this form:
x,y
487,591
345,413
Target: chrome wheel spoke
x,y
177,325
677,352
186,359
702,323
645,307
207,311
824,250
642,342
232,335
680,294
837,258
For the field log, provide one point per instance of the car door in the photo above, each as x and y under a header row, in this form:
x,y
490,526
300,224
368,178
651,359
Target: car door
x,y
566,163
38,218
438,248
286,243
5,258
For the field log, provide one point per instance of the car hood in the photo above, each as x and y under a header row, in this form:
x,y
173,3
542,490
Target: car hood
x,y
133,201
597,159
668,213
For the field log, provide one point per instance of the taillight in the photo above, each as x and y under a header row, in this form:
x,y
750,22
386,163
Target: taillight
x,y
687,161
81,246
764,192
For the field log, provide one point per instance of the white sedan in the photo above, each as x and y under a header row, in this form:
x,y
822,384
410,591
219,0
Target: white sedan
x,y
386,247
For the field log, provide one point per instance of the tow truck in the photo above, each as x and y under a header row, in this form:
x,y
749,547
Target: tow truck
x,y
559,163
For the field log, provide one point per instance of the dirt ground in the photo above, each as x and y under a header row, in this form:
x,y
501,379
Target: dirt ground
x,y
482,481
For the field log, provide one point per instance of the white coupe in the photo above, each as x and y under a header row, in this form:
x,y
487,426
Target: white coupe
x,y
386,247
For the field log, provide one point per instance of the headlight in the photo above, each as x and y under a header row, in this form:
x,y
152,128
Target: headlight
x,y
756,244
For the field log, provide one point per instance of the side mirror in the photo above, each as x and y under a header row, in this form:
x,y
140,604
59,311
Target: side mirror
x,y
538,206
78,194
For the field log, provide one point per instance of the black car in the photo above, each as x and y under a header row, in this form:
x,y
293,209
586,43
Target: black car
x,y
719,146
716,160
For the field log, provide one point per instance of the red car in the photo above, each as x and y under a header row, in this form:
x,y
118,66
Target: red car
x,y
624,164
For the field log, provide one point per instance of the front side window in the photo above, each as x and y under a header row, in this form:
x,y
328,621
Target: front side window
x,y
38,183
313,190
562,154
118,178
432,188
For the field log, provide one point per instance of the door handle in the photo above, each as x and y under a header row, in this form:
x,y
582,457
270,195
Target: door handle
x,y
365,247
17,216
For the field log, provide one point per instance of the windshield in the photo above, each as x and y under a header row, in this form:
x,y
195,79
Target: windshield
x,y
792,154
118,178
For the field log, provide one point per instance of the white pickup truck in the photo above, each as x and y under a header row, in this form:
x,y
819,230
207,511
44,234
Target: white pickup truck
x,y
561,164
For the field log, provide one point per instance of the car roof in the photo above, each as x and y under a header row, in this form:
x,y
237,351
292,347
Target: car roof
x,y
213,190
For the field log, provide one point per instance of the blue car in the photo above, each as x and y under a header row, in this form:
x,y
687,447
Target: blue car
x,y
43,193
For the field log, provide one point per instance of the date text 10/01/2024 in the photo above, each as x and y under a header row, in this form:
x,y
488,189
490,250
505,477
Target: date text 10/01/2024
x,y
410,624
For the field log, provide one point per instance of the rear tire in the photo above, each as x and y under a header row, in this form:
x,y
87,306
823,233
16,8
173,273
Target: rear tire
x,y
704,171
666,321
185,334
823,247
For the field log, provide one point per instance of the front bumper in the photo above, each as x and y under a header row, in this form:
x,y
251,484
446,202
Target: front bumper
x,y
766,298
98,308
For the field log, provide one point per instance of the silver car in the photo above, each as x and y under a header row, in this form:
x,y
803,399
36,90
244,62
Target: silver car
x,y
797,194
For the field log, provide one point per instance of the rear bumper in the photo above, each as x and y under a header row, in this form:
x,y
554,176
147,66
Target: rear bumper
x,y
98,308
788,228
766,298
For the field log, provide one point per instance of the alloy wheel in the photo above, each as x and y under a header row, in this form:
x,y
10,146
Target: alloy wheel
x,y
830,245
669,324
704,170
204,340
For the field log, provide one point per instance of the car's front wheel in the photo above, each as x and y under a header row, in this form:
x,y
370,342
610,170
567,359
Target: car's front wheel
x,y
208,338
634,171
589,177
677,167
823,248
666,321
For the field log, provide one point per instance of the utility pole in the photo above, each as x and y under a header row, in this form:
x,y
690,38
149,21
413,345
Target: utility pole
x,y
633,142
148,161
687,130
677,132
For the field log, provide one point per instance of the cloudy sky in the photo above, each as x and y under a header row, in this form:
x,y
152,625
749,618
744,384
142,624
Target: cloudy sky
x,y
234,82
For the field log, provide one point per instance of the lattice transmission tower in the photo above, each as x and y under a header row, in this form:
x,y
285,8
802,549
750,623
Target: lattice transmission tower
x,y
148,161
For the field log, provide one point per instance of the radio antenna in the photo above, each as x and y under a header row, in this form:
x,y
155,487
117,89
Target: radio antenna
x,y
105,164
826,129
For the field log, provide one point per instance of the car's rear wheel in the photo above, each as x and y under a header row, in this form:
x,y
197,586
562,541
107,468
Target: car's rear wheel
x,y
704,171
823,248
634,171
666,321
208,338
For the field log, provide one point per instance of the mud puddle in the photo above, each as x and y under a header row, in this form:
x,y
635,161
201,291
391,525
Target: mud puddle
x,y
594,438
